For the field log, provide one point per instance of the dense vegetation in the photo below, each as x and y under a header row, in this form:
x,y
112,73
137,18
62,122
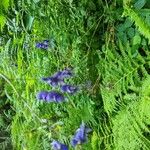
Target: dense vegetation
x,y
106,45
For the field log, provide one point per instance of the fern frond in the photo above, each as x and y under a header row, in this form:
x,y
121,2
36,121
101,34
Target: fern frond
x,y
131,124
95,141
5,4
2,21
140,23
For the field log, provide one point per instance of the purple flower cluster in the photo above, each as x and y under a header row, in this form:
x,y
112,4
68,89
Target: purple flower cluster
x,y
58,79
80,137
66,73
43,45
55,80
51,96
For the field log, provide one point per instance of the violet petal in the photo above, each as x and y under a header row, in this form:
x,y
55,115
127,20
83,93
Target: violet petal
x,y
58,146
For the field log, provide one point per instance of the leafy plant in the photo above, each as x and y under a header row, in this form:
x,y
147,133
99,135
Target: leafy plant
x,y
109,53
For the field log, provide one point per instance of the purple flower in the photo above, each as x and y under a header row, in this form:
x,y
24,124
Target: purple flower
x,y
42,95
58,78
53,81
69,88
66,73
58,146
80,135
51,96
43,45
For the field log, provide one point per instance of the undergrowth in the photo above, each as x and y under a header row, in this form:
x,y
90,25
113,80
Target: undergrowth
x,y
107,45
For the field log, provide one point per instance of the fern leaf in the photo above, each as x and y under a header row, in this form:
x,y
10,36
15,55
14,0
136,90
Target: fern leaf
x,y
2,21
94,141
5,4
140,23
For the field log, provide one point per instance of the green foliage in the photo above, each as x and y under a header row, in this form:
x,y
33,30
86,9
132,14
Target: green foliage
x,y
131,123
104,49
95,141
4,5
6,115
124,70
140,23
2,21
139,4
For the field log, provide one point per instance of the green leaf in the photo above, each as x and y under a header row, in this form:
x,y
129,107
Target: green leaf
x,y
29,22
2,21
128,23
94,141
140,4
136,40
131,32
147,19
